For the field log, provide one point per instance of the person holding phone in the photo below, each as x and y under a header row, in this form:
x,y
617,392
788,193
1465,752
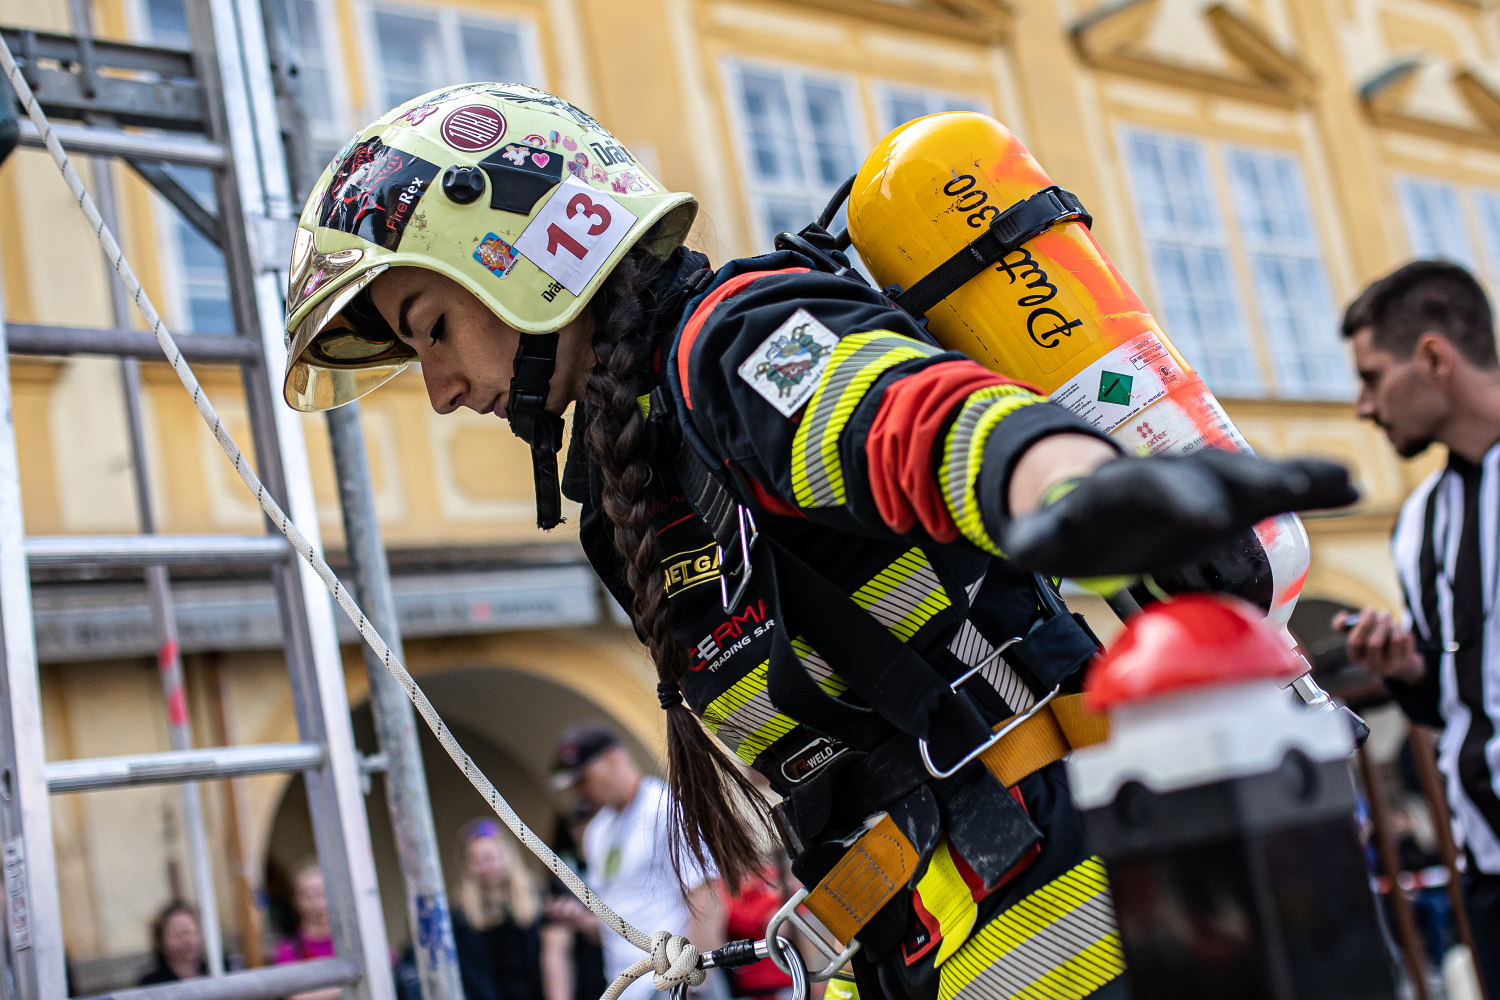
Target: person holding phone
x,y
1424,347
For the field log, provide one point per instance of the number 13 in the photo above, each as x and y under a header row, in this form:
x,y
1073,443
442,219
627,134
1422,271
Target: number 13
x,y
580,204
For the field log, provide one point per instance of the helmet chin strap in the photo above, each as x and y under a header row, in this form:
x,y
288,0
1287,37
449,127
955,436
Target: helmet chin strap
x,y
525,408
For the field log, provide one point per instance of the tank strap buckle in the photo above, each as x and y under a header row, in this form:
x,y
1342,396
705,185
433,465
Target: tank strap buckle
x,y
1007,232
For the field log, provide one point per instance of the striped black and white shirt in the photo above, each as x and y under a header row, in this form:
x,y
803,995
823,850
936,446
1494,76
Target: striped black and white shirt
x,y
1445,552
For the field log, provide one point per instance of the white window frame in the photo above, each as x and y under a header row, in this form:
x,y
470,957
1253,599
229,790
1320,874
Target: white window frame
x,y
448,19
1484,259
333,133
1318,369
755,191
1217,240
882,90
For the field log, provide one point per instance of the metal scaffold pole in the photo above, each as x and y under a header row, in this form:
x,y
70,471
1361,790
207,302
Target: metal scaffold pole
x,y
395,722
158,583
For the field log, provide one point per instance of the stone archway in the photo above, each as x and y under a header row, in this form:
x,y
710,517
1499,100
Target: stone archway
x,y
508,720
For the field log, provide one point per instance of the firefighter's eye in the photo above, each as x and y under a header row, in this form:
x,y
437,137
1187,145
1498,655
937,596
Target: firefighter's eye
x,y
438,329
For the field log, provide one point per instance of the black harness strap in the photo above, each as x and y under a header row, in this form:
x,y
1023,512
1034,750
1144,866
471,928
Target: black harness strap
x,y
1007,232
901,688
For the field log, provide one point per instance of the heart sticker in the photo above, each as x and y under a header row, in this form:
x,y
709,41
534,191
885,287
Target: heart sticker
x,y
540,159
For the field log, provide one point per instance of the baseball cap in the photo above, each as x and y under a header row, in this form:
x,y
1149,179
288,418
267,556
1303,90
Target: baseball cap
x,y
575,748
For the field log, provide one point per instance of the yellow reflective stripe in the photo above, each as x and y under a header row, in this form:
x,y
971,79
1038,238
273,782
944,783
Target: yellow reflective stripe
x,y
743,718
963,451
946,896
1058,943
857,361
905,595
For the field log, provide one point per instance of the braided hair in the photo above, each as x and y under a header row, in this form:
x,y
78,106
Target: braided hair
x,y
712,799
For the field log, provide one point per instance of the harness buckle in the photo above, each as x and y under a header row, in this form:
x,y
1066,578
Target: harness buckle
x,y
998,734
831,953
747,542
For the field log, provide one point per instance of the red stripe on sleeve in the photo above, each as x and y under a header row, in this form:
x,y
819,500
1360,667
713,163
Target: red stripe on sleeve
x,y
906,432
694,325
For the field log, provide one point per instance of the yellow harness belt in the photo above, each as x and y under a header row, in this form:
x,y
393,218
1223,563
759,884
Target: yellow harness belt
x,y
882,861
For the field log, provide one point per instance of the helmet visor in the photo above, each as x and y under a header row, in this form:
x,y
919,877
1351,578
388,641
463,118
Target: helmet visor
x,y
343,349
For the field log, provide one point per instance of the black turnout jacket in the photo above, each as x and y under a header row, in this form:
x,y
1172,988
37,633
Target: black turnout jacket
x,y
874,463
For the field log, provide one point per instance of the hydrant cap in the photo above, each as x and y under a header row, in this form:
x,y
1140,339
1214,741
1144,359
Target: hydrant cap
x,y
1192,641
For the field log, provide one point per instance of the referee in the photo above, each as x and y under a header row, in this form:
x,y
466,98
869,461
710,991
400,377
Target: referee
x,y
1424,346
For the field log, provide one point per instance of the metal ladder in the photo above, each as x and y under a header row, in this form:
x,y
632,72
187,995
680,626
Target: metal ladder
x,y
215,107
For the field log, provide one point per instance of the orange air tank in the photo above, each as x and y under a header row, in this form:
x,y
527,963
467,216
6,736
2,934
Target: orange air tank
x,y
1054,313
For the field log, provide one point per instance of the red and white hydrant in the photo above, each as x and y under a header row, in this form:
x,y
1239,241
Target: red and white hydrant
x,y
1224,812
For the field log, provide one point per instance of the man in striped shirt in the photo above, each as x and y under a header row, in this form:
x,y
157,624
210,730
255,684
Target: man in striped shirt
x,y
1424,346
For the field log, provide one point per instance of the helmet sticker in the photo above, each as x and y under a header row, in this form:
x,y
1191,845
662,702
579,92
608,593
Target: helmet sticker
x,y
519,175
574,234
473,128
374,191
420,113
496,254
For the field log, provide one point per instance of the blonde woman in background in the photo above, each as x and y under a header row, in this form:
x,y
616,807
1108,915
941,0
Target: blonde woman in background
x,y
497,921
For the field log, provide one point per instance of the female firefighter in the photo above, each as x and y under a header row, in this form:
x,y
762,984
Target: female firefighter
x,y
803,501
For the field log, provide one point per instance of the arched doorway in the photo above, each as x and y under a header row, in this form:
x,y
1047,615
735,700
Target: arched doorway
x,y
508,721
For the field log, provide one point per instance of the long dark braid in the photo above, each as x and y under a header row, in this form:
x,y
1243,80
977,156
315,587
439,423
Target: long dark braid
x,y
712,797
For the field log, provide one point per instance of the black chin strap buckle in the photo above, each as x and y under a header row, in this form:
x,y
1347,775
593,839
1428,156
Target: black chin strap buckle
x,y
526,410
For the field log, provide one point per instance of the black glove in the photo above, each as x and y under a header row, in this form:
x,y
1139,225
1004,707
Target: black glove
x,y
1143,515
1240,567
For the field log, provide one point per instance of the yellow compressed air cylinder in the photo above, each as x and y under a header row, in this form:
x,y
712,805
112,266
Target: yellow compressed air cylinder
x,y
1054,313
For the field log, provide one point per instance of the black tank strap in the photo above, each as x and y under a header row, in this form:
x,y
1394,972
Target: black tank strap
x,y
1007,232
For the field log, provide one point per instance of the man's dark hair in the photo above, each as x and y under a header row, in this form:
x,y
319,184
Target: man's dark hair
x,y
1423,296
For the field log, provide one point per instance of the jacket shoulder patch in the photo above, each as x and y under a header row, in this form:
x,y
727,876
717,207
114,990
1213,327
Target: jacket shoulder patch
x,y
786,367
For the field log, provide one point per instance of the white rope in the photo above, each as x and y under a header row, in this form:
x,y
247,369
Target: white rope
x,y
672,958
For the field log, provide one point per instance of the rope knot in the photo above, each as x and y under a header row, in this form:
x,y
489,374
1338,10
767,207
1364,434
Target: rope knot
x,y
675,960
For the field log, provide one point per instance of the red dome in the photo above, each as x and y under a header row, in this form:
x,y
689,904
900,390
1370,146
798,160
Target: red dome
x,y
1191,641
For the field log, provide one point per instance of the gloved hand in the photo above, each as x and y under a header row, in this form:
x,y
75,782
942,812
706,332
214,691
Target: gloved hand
x,y
1143,515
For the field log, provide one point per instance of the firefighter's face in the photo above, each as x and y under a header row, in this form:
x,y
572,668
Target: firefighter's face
x,y
465,350
1406,398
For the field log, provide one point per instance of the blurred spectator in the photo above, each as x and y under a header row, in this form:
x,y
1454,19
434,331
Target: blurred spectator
x,y
177,941
746,917
572,956
313,937
497,919
629,854
1424,347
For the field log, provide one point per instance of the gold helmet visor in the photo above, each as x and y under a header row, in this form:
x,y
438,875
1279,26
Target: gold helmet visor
x,y
334,358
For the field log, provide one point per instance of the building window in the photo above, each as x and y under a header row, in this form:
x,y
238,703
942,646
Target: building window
x,y
799,140
416,51
201,285
319,75
1188,251
1287,274
899,105
1434,220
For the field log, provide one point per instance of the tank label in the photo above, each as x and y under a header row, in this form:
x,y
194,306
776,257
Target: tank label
x,y
1180,425
1122,383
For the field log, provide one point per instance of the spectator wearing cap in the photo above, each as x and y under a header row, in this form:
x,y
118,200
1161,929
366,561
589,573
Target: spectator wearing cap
x,y
629,853
497,920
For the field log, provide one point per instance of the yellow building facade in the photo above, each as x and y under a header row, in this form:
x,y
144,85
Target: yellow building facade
x,y
1250,165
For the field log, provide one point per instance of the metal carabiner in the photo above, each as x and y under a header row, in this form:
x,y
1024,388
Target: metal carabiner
x,y
747,542
737,954
995,737
835,957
